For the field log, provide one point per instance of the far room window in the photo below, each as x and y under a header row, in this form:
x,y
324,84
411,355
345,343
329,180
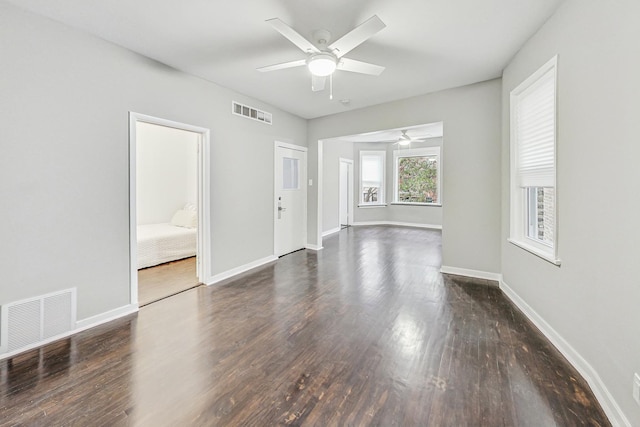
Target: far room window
x,y
533,163
417,176
372,164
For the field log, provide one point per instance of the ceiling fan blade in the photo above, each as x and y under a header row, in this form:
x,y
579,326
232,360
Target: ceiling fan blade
x,y
423,138
317,83
354,66
357,36
283,65
293,36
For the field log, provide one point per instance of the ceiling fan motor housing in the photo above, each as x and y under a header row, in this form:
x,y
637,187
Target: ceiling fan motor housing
x,y
322,38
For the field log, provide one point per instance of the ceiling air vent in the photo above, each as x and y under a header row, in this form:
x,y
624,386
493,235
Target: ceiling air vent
x,y
250,112
31,321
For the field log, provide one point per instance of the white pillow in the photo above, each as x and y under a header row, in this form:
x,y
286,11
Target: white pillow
x,y
185,219
191,207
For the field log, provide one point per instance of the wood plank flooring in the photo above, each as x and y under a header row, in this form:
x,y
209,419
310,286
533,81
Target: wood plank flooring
x,y
161,281
364,332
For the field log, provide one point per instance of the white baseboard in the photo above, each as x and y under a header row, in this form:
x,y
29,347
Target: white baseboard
x,y
478,274
609,405
241,269
105,317
328,232
80,326
313,247
401,224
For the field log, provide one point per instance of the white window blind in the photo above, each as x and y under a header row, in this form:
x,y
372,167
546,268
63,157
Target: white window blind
x,y
535,133
371,170
372,164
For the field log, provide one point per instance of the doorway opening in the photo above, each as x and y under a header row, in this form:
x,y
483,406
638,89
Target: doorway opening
x,y
169,207
346,193
396,179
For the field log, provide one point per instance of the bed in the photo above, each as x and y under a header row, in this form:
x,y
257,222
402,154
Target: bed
x,y
160,243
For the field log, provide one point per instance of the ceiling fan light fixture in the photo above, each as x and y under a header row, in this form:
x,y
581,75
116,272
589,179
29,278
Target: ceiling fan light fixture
x,y
322,64
404,139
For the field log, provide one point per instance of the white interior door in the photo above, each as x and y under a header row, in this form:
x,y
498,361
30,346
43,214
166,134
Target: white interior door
x,y
290,228
346,190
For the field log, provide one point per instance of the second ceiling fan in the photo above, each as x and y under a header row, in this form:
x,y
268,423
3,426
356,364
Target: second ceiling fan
x,y
325,58
405,139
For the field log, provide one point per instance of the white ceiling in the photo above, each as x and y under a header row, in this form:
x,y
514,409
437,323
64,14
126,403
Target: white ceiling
x,y
430,130
428,45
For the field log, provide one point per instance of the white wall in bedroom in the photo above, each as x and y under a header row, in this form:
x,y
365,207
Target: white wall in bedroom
x,y
166,172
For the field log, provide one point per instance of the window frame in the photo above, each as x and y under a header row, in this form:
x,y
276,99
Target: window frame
x,y
417,152
519,195
381,193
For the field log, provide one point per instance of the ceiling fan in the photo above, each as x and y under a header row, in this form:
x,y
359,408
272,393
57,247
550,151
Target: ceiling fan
x,y
405,139
323,58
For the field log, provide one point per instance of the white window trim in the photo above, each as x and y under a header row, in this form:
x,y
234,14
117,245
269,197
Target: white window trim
x,y
382,194
373,205
417,152
518,219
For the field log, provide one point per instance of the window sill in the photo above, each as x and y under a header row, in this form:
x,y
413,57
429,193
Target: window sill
x,y
437,205
377,205
537,252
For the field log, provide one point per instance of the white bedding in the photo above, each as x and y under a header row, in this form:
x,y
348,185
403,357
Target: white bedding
x,y
159,243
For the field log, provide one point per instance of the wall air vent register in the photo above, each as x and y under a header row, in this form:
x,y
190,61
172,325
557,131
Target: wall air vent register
x,y
250,112
27,323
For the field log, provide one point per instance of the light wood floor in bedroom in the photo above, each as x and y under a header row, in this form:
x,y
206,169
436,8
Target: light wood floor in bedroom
x,y
365,332
164,280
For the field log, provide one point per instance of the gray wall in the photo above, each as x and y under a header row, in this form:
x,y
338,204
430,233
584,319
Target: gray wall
x,y
471,168
64,164
592,299
333,151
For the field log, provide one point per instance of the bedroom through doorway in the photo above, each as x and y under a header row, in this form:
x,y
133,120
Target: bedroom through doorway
x,y
166,217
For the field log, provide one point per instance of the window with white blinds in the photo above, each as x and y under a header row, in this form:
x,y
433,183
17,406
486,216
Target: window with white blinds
x,y
372,166
533,163
535,125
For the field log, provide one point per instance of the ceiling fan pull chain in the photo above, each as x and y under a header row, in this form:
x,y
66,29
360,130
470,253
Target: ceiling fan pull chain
x,y
331,87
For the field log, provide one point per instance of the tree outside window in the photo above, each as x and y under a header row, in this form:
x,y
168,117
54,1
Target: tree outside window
x,y
417,175
418,179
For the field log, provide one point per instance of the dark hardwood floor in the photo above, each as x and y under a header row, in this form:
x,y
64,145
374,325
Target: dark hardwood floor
x,y
164,280
364,332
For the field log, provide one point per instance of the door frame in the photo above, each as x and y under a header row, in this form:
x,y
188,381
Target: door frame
x,y
203,256
287,145
349,163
